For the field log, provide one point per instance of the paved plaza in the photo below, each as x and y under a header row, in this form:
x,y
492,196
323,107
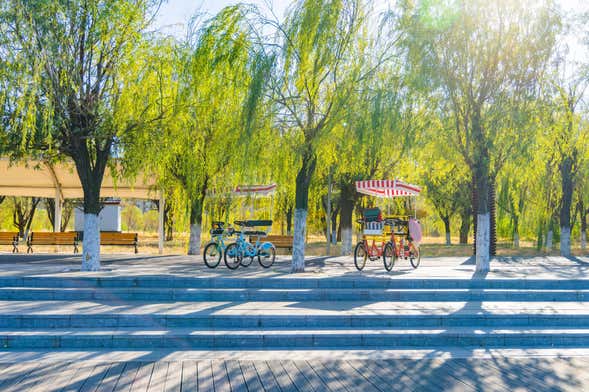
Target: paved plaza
x,y
168,323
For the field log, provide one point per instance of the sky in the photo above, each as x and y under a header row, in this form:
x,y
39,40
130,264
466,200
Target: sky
x,y
173,16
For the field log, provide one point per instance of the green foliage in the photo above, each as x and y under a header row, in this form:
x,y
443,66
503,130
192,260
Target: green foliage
x,y
131,218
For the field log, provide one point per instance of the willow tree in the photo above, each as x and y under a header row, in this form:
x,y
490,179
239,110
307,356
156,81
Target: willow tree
x,y
72,62
567,139
480,58
379,129
198,147
316,66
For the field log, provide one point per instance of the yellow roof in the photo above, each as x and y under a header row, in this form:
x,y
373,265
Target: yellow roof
x,y
38,179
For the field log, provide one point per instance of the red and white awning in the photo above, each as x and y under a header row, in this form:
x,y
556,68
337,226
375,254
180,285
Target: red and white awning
x,y
387,188
245,190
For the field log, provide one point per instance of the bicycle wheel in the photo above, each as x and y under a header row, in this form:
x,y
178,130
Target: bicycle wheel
x,y
246,261
414,255
212,255
233,256
266,257
360,256
389,256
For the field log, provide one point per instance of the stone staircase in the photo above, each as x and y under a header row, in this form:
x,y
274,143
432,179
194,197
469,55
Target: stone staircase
x,y
286,312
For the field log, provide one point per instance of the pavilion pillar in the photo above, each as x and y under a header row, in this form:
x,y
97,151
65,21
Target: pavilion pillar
x,y
57,211
161,228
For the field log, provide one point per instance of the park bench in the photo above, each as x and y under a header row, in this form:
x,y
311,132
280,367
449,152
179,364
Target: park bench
x,y
42,238
116,238
9,238
279,241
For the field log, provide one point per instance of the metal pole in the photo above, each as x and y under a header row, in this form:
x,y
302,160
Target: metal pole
x,y
161,229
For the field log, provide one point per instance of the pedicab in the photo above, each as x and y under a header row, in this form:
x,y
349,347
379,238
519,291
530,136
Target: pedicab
x,y
391,237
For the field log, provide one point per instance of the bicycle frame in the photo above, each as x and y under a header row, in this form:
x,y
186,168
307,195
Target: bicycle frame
x,y
248,249
374,251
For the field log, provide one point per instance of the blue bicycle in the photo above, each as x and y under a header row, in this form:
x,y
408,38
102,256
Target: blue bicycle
x,y
214,249
243,252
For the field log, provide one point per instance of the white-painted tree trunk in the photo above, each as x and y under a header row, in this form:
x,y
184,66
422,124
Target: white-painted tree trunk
x,y
194,241
448,239
91,243
549,240
300,230
565,241
583,240
347,241
483,238
516,240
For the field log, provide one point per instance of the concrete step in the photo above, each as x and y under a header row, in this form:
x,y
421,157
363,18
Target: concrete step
x,y
290,282
252,294
290,322
289,315
190,339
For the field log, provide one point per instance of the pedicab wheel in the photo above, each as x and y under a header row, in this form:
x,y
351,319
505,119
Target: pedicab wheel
x,y
389,256
233,256
414,256
212,255
360,256
266,257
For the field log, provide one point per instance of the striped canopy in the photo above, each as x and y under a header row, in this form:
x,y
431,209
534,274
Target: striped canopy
x,y
387,188
244,190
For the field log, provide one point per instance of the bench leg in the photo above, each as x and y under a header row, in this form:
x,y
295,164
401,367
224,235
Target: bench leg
x,y
30,249
14,247
75,247
136,250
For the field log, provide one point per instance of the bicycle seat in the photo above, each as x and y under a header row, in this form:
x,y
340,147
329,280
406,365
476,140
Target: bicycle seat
x,y
255,232
254,223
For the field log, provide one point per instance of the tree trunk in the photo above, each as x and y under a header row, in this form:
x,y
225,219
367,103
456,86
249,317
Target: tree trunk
x,y
196,209
549,236
515,232
566,172
67,208
289,221
446,220
493,219
483,225
464,226
303,182
90,168
169,221
334,227
23,214
347,203
583,218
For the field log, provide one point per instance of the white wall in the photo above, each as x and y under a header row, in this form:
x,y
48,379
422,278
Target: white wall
x,y
110,218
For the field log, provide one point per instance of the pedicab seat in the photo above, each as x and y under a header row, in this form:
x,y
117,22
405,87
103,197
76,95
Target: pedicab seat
x,y
373,228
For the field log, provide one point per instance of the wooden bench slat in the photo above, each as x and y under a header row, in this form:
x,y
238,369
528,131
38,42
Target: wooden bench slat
x,y
129,239
279,241
51,238
9,238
